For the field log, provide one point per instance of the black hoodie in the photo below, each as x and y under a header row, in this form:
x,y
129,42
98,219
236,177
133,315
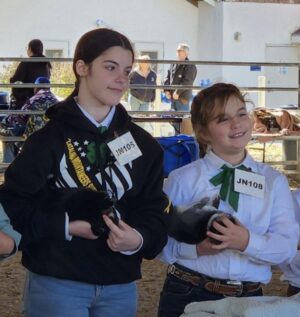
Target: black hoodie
x,y
63,153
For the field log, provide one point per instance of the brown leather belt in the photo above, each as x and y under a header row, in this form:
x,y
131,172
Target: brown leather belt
x,y
216,286
292,290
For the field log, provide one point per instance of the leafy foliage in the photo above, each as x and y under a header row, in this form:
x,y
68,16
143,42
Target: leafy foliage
x,y
6,73
61,73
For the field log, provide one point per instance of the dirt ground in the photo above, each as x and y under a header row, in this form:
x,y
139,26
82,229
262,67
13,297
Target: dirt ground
x,y
12,278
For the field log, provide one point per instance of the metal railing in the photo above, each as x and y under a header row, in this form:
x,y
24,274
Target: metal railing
x,y
148,115
159,61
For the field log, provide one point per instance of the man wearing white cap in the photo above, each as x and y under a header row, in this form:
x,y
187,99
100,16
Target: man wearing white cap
x,y
180,74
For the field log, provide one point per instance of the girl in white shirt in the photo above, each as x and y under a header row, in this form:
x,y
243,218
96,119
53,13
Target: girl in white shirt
x,y
264,232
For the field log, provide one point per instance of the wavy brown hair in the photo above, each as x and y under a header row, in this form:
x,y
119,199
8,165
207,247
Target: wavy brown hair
x,y
209,103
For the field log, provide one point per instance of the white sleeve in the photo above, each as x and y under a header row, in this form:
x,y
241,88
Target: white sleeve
x,y
291,272
174,250
279,243
296,196
67,234
138,248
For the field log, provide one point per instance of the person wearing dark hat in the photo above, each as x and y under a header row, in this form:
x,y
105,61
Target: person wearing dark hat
x,y
17,125
180,74
27,72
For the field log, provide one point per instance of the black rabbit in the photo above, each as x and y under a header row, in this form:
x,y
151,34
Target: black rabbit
x,y
190,225
80,204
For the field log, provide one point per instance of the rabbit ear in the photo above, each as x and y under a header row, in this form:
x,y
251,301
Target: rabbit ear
x,y
216,201
203,202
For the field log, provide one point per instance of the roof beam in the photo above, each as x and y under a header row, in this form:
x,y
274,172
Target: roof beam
x,y
211,2
193,2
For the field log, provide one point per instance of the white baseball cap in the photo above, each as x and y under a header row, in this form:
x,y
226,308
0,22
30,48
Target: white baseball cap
x,y
183,47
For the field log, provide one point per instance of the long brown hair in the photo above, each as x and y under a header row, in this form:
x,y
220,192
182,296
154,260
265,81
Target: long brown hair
x,y
93,44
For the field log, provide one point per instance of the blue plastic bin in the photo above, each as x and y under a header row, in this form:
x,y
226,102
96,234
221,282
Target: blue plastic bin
x,y
179,150
4,100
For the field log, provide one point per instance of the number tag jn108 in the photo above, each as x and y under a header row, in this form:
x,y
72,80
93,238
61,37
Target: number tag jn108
x,y
249,183
125,149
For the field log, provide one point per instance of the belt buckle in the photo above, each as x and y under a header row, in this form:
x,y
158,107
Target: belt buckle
x,y
171,269
239,286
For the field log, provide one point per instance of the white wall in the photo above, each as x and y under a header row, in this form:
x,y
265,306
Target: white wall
x,y
158,24
260,24
62,22
210,40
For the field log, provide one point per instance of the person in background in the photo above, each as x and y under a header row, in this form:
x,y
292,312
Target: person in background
x,y
291,272
9,238
18,124
237,259
73,270
140,99
27,72
43,99
180,74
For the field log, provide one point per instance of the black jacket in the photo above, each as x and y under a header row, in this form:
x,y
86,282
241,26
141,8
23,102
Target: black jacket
x,y
27,72
180,74
146,95
62,153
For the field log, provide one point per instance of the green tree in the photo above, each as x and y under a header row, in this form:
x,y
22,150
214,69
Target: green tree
x,y
6,73
61,73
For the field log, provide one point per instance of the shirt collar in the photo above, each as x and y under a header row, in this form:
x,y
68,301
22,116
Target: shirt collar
x,y
107,120
215,162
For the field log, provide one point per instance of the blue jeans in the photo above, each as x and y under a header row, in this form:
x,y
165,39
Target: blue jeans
x,y
9,151
51,297
179,106
176,294
138,105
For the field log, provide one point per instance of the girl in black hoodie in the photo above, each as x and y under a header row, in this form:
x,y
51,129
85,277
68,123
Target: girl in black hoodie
x,y
79,262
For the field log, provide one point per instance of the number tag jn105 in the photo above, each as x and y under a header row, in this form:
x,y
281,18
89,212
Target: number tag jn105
x,y
249,183
125,149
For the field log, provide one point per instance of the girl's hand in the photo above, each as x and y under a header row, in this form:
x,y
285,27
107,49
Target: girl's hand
x,y
232,236
122,237
175,96
206,248
82,229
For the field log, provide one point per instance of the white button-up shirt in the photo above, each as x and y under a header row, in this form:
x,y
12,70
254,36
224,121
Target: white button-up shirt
x,y
270,220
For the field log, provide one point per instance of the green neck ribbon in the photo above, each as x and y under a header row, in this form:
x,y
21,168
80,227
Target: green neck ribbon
x,y
99,152
102,129
226,178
